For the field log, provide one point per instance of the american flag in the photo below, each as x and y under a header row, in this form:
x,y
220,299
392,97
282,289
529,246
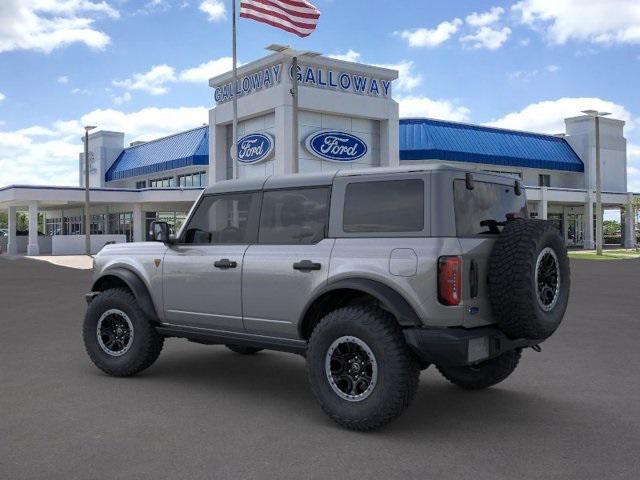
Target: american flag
x,y
294,16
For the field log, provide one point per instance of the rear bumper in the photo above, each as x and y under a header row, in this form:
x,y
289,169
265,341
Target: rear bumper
x,y
461,346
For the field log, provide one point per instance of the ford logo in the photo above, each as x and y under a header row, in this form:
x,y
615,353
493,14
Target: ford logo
x,y
255,148
336,146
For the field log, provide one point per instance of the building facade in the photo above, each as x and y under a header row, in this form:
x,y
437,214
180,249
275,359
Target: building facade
x,y
347,119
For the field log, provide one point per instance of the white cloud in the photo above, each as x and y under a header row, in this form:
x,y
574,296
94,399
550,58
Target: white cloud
x,y
527,75
525,42
45,25
154,81
419,106
487,37
63,79
486,18
214,9
424,37
120,99
48,155
407,78
548,116
203,72
2,96
596,21
349,56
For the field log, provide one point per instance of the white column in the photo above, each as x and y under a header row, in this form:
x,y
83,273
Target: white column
x,y
543,211
589,242
33,248
12,245
284,161
629,223
389,143
138,223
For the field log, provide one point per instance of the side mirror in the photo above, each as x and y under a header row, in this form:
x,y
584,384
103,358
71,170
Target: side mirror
x,y
160,232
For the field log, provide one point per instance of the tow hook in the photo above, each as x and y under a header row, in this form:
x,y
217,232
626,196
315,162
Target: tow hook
x,y
536,348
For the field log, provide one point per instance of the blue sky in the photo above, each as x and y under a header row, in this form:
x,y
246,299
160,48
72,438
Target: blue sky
x,y
142,66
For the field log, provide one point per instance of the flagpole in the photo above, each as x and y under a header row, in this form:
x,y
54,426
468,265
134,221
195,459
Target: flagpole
x,y
234,141
294,115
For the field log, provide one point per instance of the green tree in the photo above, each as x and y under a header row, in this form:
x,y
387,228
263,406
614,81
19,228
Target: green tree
x,y
3,220
610,228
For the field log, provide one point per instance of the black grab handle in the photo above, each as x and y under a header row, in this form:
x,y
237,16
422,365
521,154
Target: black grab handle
x,y
225,263
305,265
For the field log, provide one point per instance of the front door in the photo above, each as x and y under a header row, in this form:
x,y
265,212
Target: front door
x,y
290,261
202,272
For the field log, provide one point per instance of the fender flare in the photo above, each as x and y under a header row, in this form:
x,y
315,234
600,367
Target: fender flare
x,y
135,284
390,298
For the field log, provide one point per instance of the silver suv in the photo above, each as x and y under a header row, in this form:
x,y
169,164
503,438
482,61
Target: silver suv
x,y
371,275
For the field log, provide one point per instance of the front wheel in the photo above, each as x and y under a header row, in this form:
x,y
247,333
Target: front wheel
x,y
118,337
360,369
485,374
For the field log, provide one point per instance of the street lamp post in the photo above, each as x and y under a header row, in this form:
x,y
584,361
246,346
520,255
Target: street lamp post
x,y
295,55
596,115
87,217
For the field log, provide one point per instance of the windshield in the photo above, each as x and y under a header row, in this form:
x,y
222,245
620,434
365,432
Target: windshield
x,y
484,210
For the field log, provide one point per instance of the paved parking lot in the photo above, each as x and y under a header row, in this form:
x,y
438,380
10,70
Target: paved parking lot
x,y
572,411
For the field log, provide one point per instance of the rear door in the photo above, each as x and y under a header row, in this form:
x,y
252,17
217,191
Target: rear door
x,y
480,214
290,261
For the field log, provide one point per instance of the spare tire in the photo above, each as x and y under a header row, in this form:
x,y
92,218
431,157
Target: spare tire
x,y
529,279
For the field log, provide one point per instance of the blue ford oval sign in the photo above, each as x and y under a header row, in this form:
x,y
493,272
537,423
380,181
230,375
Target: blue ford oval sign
x,y
255,148
336,146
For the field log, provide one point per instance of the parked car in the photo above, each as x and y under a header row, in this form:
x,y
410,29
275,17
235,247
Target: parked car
x,y
4,232
371,275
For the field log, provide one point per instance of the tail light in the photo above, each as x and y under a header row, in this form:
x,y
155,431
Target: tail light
x,y
449,280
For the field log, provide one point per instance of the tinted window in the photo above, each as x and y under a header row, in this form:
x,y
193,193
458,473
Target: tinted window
x,y
223,219
484,209
294,216
387,206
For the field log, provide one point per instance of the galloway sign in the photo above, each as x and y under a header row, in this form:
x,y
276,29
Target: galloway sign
x,y
331,79
248,84
255,148
336,146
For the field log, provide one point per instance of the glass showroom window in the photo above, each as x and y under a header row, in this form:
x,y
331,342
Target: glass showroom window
x,y
98,222
162,182
141,184
121,224
53,226
73,225
198,179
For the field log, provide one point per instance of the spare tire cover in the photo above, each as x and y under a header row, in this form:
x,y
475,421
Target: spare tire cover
x,y
529,279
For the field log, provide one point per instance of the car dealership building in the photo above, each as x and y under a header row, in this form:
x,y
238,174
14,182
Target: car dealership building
x,y
347,120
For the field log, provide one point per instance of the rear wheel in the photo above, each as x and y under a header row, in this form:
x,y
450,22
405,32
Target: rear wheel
x,y
360,368
118,337
485,374
242,350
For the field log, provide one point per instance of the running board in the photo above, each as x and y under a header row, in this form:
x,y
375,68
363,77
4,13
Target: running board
x,y
217,337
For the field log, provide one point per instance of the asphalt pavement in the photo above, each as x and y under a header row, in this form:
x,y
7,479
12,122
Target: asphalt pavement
x,y
203,412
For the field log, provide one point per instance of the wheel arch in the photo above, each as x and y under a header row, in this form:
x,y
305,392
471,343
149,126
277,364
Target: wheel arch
x,y
120,277
352,290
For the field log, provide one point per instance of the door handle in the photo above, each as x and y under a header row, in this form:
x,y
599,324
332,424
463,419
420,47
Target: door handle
x,y
306,265
225,263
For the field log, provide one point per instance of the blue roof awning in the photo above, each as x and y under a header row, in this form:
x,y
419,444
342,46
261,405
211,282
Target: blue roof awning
x,y
427,139
176,151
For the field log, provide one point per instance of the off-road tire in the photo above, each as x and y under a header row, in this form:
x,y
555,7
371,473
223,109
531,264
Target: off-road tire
x,y
398,370
513,291
243,350
485,374
145,347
